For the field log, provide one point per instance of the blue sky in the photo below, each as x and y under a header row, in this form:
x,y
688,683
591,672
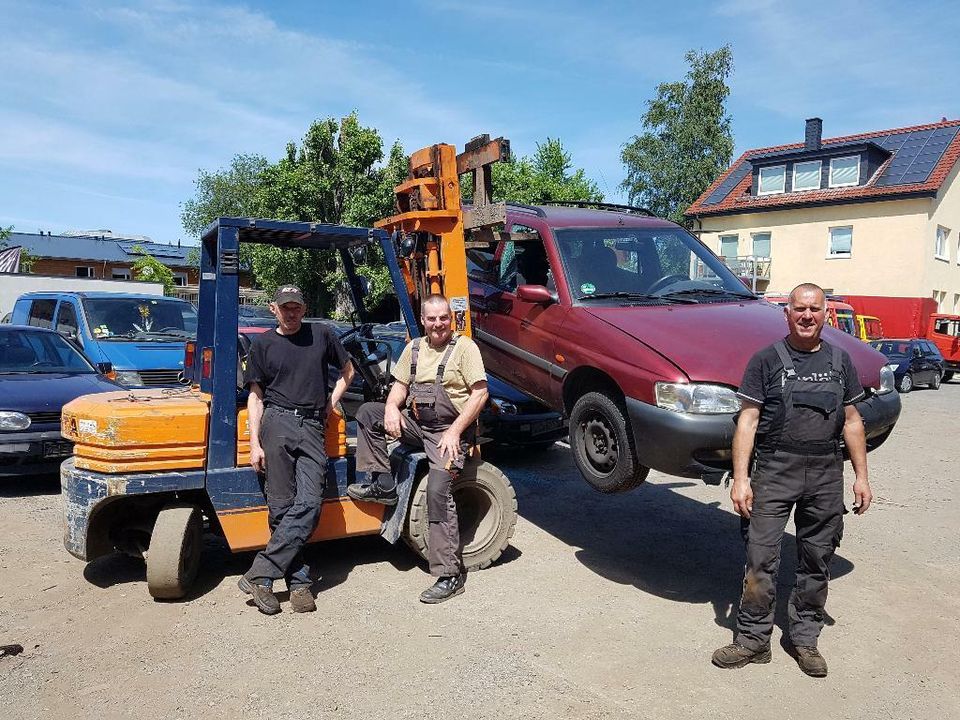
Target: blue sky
x,y
110,109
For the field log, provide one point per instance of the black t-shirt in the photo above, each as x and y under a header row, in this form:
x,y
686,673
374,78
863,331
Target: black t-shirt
x,y
763,379
294,370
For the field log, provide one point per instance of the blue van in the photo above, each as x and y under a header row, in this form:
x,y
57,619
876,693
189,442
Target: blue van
x,y
141,336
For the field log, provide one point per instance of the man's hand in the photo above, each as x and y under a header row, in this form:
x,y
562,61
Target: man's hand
x,y
862,496
742,495
449,444
258,460
393,421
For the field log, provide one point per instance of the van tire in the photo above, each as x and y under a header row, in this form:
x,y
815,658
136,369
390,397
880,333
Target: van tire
x,y
602,443
486,511
173,558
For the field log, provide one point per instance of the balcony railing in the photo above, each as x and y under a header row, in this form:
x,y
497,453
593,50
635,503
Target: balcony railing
x,y
248,296
754,270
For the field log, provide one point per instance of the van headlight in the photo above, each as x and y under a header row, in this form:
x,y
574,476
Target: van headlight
x,y
696,398
887,383
129,378
13,421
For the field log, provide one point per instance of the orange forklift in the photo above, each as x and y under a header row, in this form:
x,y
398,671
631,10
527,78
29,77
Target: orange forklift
x,y
152,468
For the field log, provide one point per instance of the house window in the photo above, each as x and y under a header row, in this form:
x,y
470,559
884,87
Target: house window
x,y
941,251
180,279
85,271
772,180
806,175
940,297
761,244
841,242
121,273
729,246
845,171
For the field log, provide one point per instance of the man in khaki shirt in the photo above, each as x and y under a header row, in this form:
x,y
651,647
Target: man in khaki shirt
x,y
440,389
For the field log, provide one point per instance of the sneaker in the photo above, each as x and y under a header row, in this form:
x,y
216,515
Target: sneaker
x,y
736,655
444,589
301,600
263,596
372,492
810,661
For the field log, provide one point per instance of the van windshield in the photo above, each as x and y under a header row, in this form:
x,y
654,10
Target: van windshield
x,y
644,264
145,318
846,322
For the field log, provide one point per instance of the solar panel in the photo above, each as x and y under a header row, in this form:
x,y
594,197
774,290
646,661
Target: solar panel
x,y
729,183
917,155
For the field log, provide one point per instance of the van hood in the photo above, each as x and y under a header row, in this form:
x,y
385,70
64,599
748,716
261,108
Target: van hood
x,y
712,342
143,355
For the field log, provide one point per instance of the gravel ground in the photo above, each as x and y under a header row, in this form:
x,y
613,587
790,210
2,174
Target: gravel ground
x,y
605,607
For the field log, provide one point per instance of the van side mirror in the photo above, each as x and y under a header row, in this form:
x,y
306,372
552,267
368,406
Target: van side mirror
x,y
537,294
104,368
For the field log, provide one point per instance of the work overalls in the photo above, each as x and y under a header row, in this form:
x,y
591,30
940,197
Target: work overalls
x,y
798,463
428,414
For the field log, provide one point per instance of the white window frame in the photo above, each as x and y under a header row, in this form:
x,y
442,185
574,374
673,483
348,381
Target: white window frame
x,y
838,256
819,164
728,236
941,244
121,274
91,271
753,243
783,185
849,184
182,276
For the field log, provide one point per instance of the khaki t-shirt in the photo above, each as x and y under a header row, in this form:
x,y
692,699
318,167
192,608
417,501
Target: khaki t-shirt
x,y
464,368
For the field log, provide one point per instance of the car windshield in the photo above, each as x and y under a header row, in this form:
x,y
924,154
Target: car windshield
x,y
34,352
153,318
644,264
894,349
846,322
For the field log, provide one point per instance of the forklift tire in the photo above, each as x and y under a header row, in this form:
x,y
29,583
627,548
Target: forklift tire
x,y
486,513
602,444
173,558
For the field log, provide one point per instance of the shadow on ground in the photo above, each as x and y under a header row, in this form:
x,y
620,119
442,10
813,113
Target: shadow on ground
x,y
31,485
654,538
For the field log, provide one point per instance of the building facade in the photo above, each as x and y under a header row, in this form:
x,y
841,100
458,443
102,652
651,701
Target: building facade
x,y
870,214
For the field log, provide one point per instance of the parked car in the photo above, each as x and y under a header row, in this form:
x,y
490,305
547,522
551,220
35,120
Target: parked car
x,y
638,333
141,336
914,362
39,372
255,316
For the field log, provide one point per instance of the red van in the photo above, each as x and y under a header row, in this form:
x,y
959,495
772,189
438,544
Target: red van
x,y
637,332
944,332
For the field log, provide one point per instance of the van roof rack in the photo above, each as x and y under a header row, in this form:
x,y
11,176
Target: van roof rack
x,y
602,206
527,208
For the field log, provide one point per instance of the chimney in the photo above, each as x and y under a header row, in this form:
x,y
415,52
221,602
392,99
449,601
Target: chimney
x,y
814,131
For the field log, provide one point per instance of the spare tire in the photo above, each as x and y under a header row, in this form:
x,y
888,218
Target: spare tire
x,y
486,513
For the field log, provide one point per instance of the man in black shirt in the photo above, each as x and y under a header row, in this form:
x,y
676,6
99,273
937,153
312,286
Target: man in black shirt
x,y
287,372
798,400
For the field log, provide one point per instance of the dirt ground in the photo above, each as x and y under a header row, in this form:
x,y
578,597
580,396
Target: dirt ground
x,y
605,607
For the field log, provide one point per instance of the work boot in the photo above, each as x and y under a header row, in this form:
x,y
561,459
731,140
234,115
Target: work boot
x,y
444,589
301,599
736,655
263,596
372,492
810,660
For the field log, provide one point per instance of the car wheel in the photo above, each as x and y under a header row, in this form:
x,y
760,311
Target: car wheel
x,y
173,558
486,515
602,443
936,381
947,376
906,383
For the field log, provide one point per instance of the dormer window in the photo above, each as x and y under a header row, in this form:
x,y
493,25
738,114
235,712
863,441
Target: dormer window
x,y
772,180
806,175
845,171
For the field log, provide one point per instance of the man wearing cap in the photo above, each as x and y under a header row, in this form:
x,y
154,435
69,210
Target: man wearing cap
x,y
287,373
440,389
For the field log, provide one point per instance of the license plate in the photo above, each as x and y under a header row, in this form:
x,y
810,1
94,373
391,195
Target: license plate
x,y
544,426
57,448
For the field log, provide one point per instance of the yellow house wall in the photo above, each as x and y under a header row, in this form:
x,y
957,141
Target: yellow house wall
x,y
944,275
890,252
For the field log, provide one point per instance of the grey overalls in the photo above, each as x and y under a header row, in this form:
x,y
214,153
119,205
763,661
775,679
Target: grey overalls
x,y
798,463
429,413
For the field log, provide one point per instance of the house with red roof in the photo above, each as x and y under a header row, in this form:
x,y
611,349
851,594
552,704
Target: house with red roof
x,y
876,213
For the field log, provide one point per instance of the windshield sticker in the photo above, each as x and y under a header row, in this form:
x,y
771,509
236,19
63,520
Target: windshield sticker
x,y
588,288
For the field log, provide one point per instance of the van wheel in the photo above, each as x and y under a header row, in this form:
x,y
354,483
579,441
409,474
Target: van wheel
x,y
906,383
173,558
947,376
602,443
486,515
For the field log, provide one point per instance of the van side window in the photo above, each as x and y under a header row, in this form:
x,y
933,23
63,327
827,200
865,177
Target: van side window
x,y
41,313
67,318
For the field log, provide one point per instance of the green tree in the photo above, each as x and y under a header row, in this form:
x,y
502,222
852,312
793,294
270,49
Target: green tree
x,y
686,142
148,269
547,175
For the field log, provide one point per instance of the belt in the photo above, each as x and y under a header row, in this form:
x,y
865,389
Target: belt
x,y
317,415
813,448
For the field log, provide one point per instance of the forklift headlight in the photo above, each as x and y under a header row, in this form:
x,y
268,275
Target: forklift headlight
x,y
129,378
13,421
887,382
697,399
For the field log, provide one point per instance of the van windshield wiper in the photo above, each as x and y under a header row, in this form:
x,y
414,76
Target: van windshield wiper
x,y
621,294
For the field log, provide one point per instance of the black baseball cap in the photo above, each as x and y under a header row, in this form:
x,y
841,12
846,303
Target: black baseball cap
x,y
287,294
